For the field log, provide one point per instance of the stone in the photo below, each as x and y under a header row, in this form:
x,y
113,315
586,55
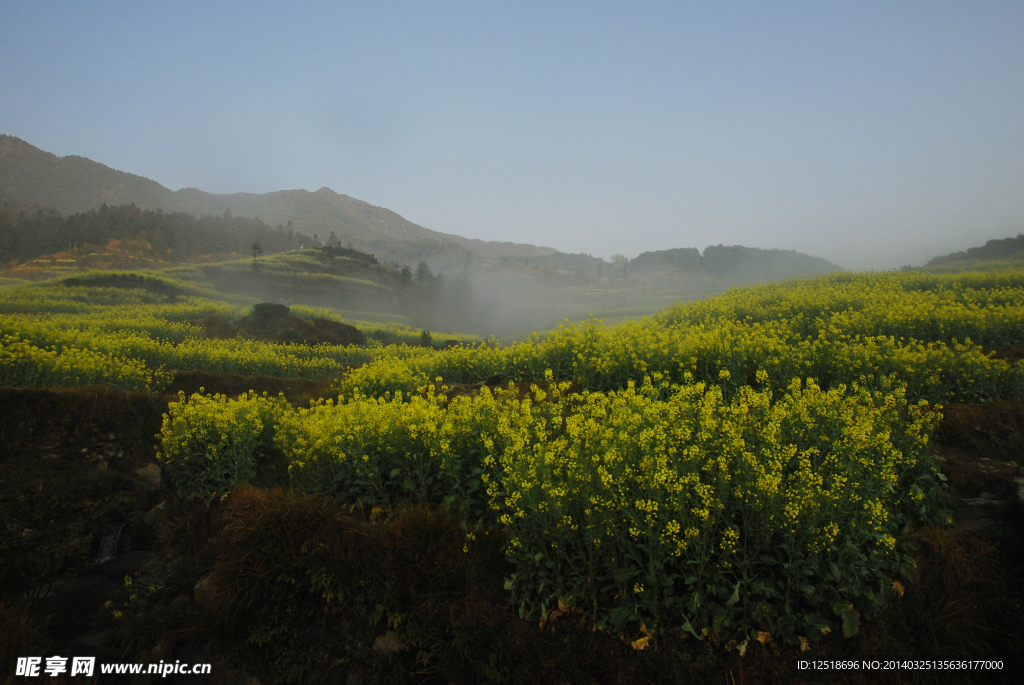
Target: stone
x,y
205,590
970,527
150,476
159,652
153,516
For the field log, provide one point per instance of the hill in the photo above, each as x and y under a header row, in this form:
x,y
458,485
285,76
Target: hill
x,y
77,184
116,220
997,253
734,262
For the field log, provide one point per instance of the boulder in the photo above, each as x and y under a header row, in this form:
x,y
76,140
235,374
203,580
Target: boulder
x,y
150,476
205,590
152,518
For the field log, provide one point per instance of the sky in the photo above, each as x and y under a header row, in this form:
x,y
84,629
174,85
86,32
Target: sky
x,y
873,134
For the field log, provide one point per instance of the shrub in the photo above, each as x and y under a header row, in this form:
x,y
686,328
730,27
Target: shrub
x,y
210,443
711,516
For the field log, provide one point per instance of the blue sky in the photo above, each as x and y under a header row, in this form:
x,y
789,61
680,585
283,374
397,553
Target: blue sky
x,y
872,134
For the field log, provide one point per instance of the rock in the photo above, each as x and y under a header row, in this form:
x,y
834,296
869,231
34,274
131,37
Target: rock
x,y
969,527
152,518
388,642
972,514
150,476
205,590
159,652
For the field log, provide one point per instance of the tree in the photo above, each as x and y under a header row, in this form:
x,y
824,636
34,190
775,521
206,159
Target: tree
x,y
620,261
257,250
406,274
423,274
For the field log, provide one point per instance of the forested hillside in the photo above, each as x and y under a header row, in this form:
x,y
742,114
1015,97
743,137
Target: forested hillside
x,y
77,184
170,237
993,250
744,264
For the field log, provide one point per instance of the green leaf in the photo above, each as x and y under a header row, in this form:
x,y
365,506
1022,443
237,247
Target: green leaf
x,y
818,625
735,597
851,623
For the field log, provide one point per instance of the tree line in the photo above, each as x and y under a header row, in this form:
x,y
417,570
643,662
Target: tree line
x,y
180,236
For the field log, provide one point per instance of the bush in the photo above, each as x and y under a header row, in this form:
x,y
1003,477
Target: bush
x,y
711,516
210,443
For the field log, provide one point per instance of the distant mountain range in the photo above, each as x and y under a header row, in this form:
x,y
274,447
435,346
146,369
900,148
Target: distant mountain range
x,y
76,184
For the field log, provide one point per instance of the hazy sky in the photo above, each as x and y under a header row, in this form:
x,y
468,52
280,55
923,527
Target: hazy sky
x,y
871,134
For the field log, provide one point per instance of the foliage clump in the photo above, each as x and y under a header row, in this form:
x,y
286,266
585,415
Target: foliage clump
x,y
660,508
210,443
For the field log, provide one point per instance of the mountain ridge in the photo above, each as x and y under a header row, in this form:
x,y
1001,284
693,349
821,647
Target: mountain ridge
x,y
73,184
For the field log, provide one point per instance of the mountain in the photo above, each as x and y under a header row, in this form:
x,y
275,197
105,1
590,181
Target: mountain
x,y
77,184
32,178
